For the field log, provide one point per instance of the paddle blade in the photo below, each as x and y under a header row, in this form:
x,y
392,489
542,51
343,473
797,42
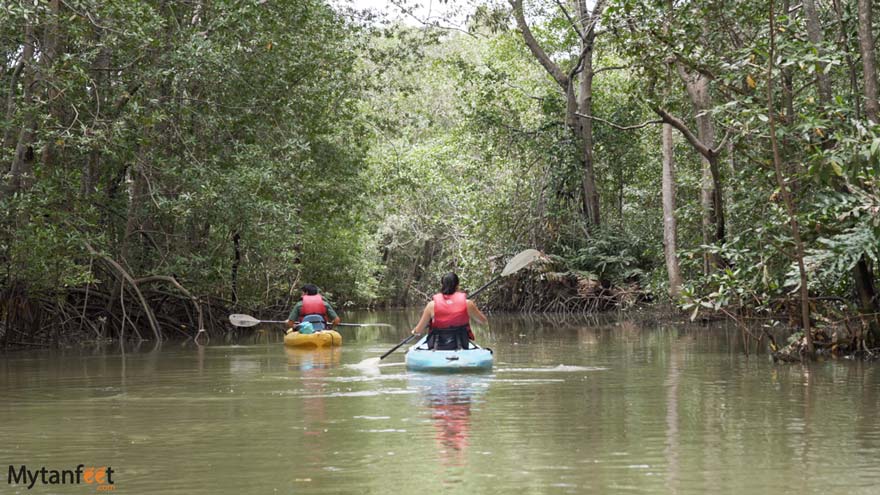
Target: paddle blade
x,y
243,320
368,363
520,261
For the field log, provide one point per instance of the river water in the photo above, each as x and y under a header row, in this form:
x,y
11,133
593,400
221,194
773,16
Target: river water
x,y
619,405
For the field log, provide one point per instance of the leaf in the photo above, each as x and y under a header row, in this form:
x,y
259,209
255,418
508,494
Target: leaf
x,y
751,82
837,169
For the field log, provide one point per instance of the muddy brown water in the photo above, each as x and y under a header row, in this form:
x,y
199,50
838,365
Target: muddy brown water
x,y
621,404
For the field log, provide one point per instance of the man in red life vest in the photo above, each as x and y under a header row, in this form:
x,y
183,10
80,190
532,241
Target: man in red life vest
x,y
312,304
450,313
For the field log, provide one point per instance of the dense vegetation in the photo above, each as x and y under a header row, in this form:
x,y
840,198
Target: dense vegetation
x,y
167,162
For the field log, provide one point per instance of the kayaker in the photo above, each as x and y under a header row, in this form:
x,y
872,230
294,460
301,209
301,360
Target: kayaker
x,y
312,304
449,312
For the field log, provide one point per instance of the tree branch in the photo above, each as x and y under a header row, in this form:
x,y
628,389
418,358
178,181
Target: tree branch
x,y
539,53
613,67
618,126
717,150
124,275
570,20
173,281
683,129
126,96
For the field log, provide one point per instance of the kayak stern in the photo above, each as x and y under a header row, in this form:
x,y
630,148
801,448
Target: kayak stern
x,y
474,359
323,338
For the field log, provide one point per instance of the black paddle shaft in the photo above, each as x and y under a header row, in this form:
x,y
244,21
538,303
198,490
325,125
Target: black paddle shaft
x,y
404,341
481,289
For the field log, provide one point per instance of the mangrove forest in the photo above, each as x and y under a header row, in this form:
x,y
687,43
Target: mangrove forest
x,y
166,163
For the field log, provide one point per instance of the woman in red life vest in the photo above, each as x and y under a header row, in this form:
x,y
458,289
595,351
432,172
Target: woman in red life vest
x,y
312,304
449,312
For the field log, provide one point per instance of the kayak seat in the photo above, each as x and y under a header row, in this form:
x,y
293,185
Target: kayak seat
x,y
448,339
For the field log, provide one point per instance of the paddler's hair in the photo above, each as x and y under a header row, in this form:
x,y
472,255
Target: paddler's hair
x,y
310,289
449,283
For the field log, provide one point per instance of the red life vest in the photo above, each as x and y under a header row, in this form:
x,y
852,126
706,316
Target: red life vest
x,y
450,311
312,305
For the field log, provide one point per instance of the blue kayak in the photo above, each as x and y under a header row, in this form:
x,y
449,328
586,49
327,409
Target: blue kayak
x,y
420,358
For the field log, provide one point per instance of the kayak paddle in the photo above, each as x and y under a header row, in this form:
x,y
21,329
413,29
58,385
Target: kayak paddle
x,y
249,321
363,325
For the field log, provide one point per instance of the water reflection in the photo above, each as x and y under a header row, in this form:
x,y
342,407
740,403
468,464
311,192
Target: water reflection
x,y
450,400
672,382
313,367
307,360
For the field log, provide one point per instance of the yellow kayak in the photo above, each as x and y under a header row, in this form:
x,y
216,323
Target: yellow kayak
x,y
322,338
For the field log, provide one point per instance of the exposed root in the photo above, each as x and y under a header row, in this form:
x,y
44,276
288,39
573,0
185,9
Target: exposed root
x,y
540,289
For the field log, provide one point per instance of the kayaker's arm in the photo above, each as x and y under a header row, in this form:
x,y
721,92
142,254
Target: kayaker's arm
x,y
475,313
293,317
331,315
427,314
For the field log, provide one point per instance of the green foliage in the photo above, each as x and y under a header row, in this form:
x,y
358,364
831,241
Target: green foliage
x,y
610,256
236,120
372,157
853,230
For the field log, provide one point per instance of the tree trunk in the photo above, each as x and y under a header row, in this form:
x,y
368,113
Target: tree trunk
x,y
787,78
844,46
137,203
585,107
588,21
421,262
48,58
576,102
588,178
814,32
697,86
236,261
869,61
8,134
863,275
786,193
424,261
669,224
92,164
22,161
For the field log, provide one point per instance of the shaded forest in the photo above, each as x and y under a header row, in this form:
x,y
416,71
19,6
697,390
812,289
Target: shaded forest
x,y
168,162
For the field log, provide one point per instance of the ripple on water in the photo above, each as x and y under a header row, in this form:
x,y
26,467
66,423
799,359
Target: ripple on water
x,y
359,393
562,368
355,379
527,381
